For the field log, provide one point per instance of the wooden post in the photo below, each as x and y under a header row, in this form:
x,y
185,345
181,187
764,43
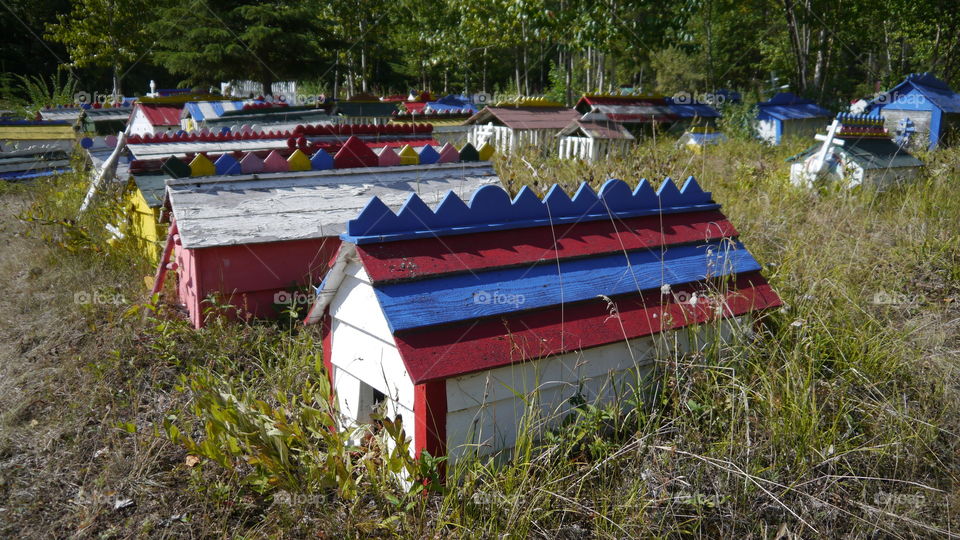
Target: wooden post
x,y
430,410
109,169
162,265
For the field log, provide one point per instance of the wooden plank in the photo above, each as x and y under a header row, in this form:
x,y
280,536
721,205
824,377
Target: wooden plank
x,y
321,161
202,166
430,407
373,361
181,149
254,267
493,427
448,154
411,259
300,178
488,386
293,207
442,300
227,164
485,152
428,155
388,158
274,162
175,168
355,304
251,164
491,208
355,153
298,161
469,153
519,337
409,156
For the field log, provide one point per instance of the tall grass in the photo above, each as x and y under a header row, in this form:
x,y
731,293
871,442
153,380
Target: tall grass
x,y
836,417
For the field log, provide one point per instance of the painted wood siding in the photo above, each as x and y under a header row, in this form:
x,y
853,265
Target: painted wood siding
x,y
507,140
487,410
921,123
143,223
589,149
363,351
807,127
767,130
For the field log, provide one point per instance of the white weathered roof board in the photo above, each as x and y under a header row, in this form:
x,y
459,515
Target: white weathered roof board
x,y
277,207
181,149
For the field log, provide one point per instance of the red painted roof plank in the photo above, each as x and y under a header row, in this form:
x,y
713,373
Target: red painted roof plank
x,y
450,351
391,261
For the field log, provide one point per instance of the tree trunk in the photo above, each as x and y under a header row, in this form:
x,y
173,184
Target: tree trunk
x,y
336,78
601,69
484,69
819,70
363,63
568,78
588,70
517,73
266,79
796,44
116,83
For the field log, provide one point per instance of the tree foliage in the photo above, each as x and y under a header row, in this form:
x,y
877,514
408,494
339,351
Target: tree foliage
x,y
105,33
831,51
208,41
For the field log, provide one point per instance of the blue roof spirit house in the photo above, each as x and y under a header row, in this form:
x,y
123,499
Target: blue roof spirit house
x,y
922,107
789,114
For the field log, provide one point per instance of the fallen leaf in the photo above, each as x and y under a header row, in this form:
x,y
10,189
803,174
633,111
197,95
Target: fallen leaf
x,y
191,461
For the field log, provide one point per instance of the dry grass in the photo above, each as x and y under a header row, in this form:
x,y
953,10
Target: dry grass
x,y
842,420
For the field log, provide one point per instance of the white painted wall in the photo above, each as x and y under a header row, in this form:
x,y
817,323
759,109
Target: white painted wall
x,y
851,175
363,351
486,410
767,131
506,140
589,149
139,125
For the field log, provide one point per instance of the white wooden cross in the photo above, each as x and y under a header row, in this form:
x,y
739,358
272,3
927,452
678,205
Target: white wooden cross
x,y
815,164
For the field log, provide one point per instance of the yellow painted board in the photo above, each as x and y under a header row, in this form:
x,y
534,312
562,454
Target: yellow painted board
x,y
143,224
409,156
298,161
202,166
485,151
36,133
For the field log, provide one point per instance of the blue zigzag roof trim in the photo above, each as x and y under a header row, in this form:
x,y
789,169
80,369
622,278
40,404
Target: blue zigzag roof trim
x,y
491,209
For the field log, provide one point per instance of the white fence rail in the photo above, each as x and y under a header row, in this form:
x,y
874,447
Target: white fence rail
x,y
589,149
507,140
287,89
